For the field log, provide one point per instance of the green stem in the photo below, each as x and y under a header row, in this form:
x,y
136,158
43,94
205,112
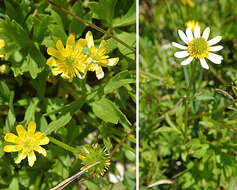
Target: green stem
x,y
63,145
187,100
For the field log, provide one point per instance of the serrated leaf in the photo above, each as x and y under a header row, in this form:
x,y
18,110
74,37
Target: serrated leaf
x,y
55,125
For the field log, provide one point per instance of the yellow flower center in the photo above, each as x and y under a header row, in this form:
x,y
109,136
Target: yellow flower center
x,y
28,144
70,60
198,48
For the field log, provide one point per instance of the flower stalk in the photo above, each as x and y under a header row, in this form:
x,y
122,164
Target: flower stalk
x,y
63,145
188,98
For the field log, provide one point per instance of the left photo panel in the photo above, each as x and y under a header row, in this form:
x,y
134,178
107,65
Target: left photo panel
x,y
68,94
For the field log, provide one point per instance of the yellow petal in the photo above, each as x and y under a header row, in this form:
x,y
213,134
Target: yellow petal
x,y
99,73
52,51
102,43
20,157
101,51
2,43
31,158
80,45
51,62
113,61
65,76
70,40
59,45
44,140
10,137
89,39
38,135
56,72
40,150
11,148
20,130
31,128
82,157
85,149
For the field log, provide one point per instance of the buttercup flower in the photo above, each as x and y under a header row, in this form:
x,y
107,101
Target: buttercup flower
x,y
2,45
198,47
26,143
69,62
92,154
97,57
192,24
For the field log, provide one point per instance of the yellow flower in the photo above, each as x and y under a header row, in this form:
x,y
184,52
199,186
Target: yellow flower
x,y
69,62
2,45
192,24
97,57
26,143
188,3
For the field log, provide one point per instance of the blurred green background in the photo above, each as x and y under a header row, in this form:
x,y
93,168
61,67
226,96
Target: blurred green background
x,y
207,159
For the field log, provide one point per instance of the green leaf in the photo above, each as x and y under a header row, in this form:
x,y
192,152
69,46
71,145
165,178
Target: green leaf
x,y
40,27
30,111
72,107
77,26
130,39
4,93
14,185
13,32
55,125
104,9
121,79
128,19
109,112
17,10
11,118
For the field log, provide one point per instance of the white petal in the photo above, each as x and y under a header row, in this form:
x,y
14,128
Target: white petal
x,y
187,61
189,34
204,64
197,32
183,36
215,58
214,40
181,54
216,48
178,45
206,33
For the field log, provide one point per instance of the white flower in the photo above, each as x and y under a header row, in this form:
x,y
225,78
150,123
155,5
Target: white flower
x,y
198,47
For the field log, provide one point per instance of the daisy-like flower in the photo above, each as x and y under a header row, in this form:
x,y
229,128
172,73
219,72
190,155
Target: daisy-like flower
x,y
198,47
97,57
2,45
70,62
26,143
192,24
91,154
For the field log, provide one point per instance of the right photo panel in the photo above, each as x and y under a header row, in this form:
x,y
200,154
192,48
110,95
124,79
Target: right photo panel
x,y
188,95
